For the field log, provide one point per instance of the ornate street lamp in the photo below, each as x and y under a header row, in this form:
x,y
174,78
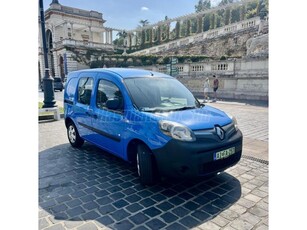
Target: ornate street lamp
x,y
49,101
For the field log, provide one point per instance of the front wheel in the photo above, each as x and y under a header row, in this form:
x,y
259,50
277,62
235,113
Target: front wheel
x,y
73,136
145,165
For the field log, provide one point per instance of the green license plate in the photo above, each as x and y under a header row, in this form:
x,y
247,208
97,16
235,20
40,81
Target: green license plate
x,y
224,153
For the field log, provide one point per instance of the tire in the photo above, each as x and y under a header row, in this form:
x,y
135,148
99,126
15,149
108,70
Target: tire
x,y
146,165
73,136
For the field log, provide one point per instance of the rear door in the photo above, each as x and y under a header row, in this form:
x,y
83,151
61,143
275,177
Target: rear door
x,y
83,108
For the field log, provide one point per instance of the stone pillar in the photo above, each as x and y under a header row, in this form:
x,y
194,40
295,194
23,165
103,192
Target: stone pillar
x,y
111,36
56,63
91,34
102,37
107,37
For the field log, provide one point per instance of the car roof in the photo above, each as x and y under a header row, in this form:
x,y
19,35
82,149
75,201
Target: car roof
x,y
127,72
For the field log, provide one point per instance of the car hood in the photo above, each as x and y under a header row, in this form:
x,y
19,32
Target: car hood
x,y
196,119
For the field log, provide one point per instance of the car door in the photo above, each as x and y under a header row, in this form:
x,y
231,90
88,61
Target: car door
x,y
83,108
108,122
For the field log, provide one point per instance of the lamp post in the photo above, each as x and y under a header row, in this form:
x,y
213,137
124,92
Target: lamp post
x,y
47,80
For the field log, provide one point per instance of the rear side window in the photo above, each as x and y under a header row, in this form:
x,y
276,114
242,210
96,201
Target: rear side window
x,y
108,91
85,88
71,88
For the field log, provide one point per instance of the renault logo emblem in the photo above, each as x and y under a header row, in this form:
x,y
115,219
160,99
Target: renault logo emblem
x,y
220,132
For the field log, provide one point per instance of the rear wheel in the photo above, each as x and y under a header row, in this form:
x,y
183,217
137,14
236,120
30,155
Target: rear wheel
x,y
146,165
73,136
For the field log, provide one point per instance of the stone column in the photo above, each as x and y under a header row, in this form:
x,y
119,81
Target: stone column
x,y
107,37
102,37
110,37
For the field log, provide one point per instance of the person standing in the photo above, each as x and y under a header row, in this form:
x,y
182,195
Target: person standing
x,y
215,86
206,89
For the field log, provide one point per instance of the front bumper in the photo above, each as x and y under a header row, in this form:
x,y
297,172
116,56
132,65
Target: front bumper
x,y
193,159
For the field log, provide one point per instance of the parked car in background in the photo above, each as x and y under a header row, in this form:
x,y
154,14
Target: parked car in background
x,y
149,119
57,84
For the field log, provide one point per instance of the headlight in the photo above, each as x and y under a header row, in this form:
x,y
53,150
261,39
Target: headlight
x,y
176,131
234,121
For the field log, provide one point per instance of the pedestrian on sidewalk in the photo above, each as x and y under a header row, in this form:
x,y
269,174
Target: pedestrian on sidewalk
x,y
215,86
206,89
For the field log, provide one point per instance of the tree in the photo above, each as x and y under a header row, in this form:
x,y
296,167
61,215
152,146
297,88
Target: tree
x,y
203,5
206,24
235,15
144,23
242,12
121,38
227,16
225,2
262,8
251,10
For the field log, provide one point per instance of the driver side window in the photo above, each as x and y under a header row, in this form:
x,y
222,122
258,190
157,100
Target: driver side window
x,y
108,91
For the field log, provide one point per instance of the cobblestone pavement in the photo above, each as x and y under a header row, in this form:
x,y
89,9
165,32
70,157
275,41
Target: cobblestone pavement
x,y
253,122
88,188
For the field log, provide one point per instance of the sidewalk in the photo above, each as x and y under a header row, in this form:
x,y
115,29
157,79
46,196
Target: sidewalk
x,y
253,122
88,188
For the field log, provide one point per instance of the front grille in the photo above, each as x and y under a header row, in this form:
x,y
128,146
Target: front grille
x,y
215,166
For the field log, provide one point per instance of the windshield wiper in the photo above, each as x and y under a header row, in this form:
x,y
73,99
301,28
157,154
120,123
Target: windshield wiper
x,y
185,108
152,110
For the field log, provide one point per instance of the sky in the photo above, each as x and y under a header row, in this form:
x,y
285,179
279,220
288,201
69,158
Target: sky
x,y
126,14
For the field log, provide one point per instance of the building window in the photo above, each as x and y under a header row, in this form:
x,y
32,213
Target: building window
x,y
223,66
197,68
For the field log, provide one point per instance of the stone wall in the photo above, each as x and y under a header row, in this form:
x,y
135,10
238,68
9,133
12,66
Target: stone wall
x,y
230,45
245,78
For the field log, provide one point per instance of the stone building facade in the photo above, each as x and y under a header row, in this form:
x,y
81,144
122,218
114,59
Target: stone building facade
x,y
68,27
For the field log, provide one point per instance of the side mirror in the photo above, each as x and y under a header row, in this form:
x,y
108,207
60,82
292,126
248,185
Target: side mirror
x,y
113,104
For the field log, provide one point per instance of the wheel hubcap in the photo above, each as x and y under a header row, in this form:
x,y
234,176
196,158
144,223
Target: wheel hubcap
x,y
72,134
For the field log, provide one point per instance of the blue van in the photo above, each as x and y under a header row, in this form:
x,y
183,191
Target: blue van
x,y
149,119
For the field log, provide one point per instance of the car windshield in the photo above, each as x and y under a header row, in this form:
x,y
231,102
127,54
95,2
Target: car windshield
x,y
152,94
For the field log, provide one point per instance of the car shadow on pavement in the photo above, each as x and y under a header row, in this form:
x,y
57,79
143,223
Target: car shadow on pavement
x,y
78,185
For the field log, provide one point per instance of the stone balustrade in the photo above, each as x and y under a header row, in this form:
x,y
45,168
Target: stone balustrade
x,y
232,28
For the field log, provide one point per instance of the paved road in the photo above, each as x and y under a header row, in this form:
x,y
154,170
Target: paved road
x,y
88,188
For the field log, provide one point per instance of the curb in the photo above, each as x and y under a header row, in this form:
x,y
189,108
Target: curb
x,y
49,117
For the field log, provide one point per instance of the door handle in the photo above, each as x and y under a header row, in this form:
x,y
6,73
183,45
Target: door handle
x,y
91,115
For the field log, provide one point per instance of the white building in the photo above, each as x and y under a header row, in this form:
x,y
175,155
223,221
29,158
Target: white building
x,y
70,29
